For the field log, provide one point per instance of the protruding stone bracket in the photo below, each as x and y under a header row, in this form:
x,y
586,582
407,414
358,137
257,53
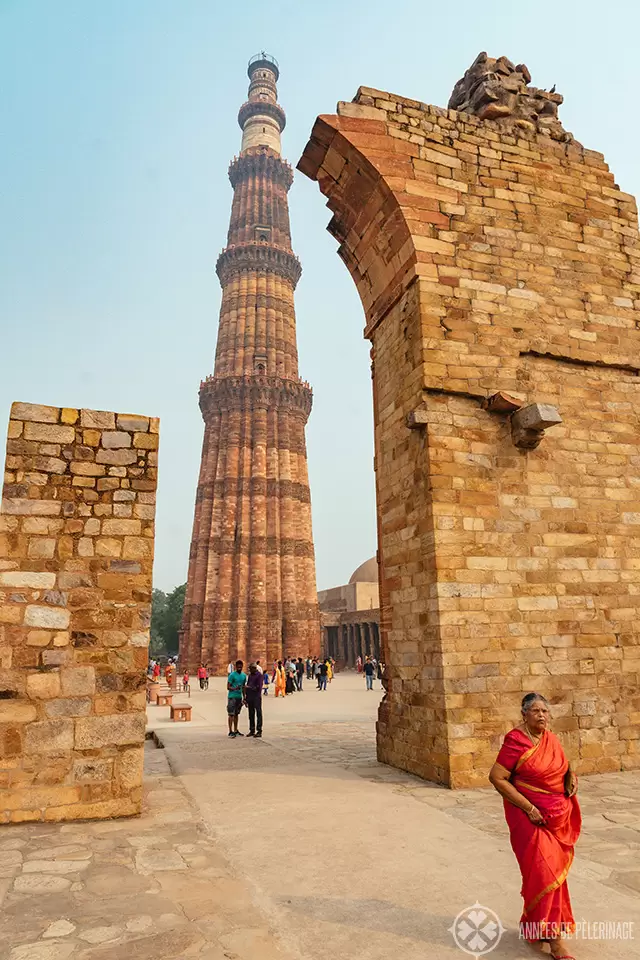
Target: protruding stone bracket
x,y
416,419
529,423
503,403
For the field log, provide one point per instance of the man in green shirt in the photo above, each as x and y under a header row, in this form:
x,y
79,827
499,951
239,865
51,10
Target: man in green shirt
x,y
236,682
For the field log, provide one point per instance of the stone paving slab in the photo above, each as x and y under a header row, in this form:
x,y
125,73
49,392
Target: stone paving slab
x,y
151,888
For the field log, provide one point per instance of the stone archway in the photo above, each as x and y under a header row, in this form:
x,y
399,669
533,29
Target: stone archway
x,y
494,261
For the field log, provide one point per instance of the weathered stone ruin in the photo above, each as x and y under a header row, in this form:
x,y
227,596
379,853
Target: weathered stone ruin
x,y
76,555
498,264
498,89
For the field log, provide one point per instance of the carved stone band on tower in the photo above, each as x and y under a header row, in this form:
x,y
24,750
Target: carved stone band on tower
x,y
251,590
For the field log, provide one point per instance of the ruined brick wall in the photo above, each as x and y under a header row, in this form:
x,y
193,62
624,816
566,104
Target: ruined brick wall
x,y
494,258
76,555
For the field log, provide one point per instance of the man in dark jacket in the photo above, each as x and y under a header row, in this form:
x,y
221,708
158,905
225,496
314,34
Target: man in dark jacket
x,y
253,699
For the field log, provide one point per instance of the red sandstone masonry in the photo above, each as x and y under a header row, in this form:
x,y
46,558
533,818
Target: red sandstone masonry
x,y
76,556
490,258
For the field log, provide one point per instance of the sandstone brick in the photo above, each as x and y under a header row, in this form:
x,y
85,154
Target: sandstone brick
x,y
84,469
16,711
118,527
97,732
115,439
133,423
27,579
52,618
146,441
39,638
117,457
32,412
137,548
71,707
49,433
108,547
43,686
98,419
41,548
129,768
10,613
92,770
78,681
35,508
49,736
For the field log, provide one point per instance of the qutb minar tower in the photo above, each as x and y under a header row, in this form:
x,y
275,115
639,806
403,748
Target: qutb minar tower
x,y
251,590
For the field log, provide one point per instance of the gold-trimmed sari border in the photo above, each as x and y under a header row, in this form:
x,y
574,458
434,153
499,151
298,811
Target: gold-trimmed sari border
x,y
552,886
530,786
527,754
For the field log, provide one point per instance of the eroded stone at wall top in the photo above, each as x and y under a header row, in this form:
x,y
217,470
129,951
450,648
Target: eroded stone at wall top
x,y
497,89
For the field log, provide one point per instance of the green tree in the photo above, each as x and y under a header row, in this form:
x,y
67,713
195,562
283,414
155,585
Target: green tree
x,y
166,617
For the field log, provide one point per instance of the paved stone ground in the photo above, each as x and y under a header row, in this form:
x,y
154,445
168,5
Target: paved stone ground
x,y
363,861
151,888
297,846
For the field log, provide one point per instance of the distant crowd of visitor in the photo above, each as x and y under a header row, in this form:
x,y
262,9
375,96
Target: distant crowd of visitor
x,y
286,676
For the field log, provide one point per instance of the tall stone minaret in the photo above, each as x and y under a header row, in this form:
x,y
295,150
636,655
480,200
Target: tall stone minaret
x,y
251,590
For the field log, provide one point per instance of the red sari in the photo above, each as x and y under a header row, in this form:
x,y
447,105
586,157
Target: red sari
x,y
544,853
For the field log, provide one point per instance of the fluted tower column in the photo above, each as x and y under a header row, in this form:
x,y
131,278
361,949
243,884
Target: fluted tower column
x,y
251,590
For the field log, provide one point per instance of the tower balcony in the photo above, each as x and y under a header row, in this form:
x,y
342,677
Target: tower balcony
x,y
255,391
262,108
258,256
262,162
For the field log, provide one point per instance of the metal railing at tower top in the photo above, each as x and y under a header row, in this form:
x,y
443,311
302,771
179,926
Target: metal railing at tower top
x,y
266,58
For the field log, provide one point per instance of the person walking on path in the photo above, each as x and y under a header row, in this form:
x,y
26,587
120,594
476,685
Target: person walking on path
x,y
299,673
324,671
253,699
202,676
236,682
280,679
369,672
265,682
359,664
539,789
329,662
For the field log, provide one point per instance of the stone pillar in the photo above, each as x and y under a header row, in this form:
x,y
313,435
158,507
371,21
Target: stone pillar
x,y
376,641
497,263
76,556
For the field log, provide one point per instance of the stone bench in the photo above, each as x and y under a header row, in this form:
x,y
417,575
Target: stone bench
x,y
164,699
181,712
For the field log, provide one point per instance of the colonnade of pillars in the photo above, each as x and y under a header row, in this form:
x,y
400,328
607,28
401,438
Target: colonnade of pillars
x,y
348,641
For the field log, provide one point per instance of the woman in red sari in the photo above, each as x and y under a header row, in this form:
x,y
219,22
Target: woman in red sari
x,y
541,808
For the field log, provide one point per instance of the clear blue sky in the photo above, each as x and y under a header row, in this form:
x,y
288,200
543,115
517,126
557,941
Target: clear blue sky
x,y
117,124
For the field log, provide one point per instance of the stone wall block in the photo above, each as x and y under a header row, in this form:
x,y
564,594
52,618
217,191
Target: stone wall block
x,y
74,612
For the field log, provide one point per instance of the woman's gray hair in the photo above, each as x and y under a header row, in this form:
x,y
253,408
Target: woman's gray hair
x,y
530,698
